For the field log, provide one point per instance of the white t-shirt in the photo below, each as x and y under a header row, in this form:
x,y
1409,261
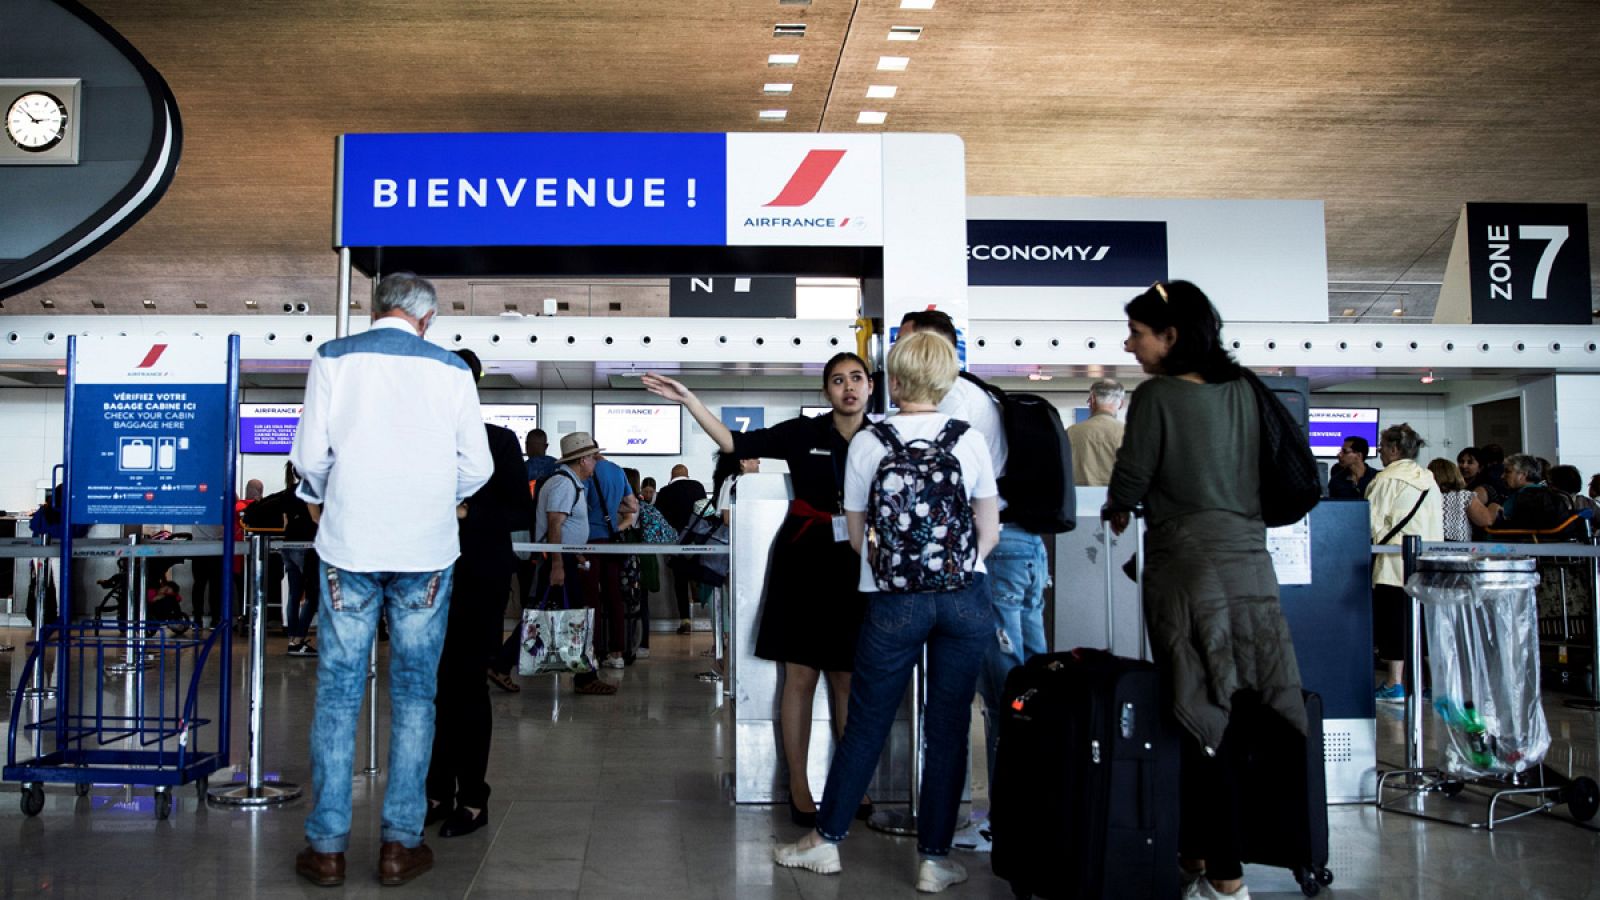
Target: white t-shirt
x,y
867,451
972,404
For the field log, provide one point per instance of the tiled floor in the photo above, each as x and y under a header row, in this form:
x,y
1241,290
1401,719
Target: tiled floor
x,y
627,797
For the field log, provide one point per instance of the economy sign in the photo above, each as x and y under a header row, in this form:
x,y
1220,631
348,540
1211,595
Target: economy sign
x,y
596,190
149,431
1046,253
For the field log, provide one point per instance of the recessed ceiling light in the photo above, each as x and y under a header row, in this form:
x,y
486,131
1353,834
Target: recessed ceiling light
x,y
251,304
1399,311
794,2
47,303
777,87
871,118
1348,311
881,91
916,4
98,304
789,29
201,304
905,32
893,63
774,115
783,59
149,304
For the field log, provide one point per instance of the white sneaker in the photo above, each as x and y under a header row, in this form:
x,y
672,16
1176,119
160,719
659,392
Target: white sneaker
x,y
1202,889
934,875
822,859
973,837
642,653
613,662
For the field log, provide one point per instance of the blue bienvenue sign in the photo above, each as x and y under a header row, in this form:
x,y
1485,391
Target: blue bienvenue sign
x,y
150,420
440,190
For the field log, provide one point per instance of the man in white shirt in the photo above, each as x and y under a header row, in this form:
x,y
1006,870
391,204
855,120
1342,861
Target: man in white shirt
x,y
390,443
1018,568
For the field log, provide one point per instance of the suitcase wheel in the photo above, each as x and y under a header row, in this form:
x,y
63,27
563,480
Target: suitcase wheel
x,y
1324,876
1583,798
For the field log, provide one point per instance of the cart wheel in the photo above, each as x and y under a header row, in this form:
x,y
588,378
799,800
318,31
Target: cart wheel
x,y
163,804
81,788
1452,788
202,786
1324,876
1583,798
1310,888
32,799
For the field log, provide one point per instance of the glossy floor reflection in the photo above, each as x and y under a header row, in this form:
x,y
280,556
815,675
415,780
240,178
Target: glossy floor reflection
x,y
627,796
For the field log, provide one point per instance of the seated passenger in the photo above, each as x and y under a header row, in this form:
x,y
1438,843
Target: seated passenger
x,y
925,483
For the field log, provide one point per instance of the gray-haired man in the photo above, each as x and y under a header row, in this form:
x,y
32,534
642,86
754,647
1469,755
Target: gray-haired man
x,y
390,442
1095,440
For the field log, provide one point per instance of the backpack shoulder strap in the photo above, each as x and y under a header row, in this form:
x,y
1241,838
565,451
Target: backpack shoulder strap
x,y
996,394
887,434
952,432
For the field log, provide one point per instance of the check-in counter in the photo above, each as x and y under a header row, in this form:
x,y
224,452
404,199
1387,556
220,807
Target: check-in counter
x,y
760,503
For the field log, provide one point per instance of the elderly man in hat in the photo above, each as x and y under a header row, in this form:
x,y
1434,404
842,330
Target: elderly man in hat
x,y
562,517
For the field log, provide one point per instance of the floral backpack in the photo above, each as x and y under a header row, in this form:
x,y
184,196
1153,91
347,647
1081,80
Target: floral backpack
x,y
920,516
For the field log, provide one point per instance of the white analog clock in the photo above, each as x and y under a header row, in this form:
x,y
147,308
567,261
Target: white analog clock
x,y
36,121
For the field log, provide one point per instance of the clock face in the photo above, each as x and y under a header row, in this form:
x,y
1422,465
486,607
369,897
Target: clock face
x,y
36,121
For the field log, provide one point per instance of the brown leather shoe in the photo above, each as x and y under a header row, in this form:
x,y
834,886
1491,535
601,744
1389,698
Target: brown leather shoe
x,y
321,869
398,864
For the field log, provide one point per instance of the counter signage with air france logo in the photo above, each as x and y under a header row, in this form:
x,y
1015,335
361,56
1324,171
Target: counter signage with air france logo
x,y
600,189
149,430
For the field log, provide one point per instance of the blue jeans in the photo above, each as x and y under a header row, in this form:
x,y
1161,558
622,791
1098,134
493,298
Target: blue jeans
x,y
955,626
301,611
417,604
1018,570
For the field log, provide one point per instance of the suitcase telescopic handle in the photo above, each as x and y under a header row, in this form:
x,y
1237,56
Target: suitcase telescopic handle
x,y
1111,583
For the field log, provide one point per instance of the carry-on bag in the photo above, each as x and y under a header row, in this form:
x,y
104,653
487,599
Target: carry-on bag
x,y
1286,824
557,641
1084,802
1084,799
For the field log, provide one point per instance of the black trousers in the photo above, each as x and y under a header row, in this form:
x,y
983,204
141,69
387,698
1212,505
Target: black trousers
x,y
207,589
459,767
683,587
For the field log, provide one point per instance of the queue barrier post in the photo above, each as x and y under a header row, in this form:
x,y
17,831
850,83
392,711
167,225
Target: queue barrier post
x,y
255,793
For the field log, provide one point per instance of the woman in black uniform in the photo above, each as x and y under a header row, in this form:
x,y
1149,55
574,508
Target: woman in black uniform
x,y
812,612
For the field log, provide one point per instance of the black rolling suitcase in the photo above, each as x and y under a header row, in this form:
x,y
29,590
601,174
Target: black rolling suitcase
x,y
1084,802
1286,825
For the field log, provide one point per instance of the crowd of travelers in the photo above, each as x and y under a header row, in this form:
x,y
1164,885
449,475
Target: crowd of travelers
x,y
897,546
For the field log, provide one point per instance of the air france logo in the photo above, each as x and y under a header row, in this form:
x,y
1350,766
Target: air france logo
x,y
802,188
151,357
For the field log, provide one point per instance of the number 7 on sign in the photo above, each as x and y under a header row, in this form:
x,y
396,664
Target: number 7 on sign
x,y
743,422
1556,235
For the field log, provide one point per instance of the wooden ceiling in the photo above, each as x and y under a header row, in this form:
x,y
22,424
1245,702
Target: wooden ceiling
x,y
1393,113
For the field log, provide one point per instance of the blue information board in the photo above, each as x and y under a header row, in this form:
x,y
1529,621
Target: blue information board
x,y
149,432
496,190
744,418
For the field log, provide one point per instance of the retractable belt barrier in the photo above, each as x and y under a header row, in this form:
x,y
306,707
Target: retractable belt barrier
x,y
106,548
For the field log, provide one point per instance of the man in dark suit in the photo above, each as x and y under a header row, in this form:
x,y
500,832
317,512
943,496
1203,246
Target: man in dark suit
x,y
457,792
676,502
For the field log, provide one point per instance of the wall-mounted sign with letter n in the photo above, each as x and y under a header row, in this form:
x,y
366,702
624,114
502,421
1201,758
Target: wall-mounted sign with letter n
x,y
1518,264
744,418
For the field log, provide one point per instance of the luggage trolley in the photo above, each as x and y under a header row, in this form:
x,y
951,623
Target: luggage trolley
x,y
128,701
1500,747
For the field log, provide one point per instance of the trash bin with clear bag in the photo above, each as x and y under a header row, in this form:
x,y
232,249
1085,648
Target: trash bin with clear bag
x,y
1483,642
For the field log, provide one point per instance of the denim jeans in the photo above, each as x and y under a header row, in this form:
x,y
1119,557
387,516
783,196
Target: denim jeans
x,y
296,564
1018,570
417,605
955,626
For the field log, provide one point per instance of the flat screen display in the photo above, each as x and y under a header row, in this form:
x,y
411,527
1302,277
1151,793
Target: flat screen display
x,y
639,429
268,427
812,412
519,417
1331,425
